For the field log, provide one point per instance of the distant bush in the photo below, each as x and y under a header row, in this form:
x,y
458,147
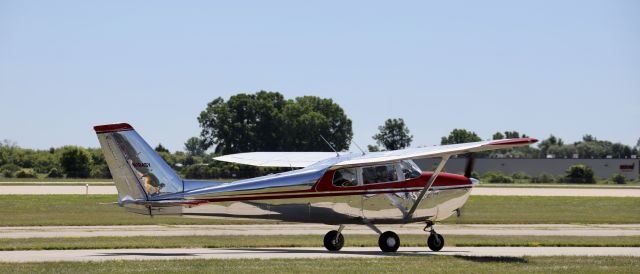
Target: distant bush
x,y
475,175
520,175
26,173
619,179
496,177
579,174
54,173
100,172
543,178
75,161
9,170
10,167
7,173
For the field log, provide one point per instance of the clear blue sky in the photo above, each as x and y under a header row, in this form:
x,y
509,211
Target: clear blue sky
x,y
539,67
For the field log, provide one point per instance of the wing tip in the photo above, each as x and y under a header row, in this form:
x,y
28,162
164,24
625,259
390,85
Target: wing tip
x,y
517,141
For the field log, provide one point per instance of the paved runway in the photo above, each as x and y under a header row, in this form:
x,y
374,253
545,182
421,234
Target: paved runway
x,y
506,191
304,252
313,229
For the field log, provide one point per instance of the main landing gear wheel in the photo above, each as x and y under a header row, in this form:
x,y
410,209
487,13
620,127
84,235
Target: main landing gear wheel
x,y
333,240
435,241
389,241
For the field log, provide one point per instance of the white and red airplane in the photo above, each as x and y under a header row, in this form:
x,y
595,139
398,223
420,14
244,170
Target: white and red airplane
x,y
328,188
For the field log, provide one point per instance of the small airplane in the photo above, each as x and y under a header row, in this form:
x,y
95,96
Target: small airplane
x,y
328,188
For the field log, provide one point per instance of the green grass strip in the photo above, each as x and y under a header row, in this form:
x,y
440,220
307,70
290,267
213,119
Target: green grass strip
x,y
404,264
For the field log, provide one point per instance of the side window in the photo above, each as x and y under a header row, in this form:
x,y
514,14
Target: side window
x,y
345,177
379,174
410,170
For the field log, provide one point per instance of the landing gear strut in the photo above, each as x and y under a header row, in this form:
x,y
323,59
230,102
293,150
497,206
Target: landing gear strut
x,y
333,240
435,240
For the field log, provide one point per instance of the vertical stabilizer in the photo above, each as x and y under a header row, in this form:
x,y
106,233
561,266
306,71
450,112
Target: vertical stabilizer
x,y
139,173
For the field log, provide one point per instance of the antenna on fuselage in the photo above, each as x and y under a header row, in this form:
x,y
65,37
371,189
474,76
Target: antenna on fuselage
x,y
363,153
332,148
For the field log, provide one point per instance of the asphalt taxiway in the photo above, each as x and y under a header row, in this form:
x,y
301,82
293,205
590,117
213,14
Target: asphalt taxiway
x,y
303,252
315,229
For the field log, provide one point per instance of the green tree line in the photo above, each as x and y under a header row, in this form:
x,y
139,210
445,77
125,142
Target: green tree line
x,y
589,147
266,121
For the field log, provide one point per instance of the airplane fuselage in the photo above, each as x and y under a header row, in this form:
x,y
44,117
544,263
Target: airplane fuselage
x,y
325,203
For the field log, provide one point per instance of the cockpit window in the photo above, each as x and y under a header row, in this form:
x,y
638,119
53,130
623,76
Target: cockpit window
x,y
379,174
410,169
345,177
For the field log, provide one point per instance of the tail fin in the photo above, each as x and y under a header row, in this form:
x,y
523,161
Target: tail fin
x,y
139,173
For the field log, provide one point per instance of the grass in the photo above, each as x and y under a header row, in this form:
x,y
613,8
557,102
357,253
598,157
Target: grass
x,y
47,210
50,210
404,264
549,210
301,241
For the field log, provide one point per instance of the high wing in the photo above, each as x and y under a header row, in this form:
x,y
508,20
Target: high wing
x,y
277,159
305,159
435,151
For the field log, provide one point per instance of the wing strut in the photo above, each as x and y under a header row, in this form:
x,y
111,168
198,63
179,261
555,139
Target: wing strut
x,y
428,185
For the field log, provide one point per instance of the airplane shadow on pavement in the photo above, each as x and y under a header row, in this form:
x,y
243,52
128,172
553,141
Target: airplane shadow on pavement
x,y
258,251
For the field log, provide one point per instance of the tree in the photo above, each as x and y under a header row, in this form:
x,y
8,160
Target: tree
x,y
307,118
393,135
543,178
619,179
26,173
373,148
588,138
511,134
496,177
54,173
161,148
546,144
498,136
580,174
247,122
75,162
194,146
459,136
265,121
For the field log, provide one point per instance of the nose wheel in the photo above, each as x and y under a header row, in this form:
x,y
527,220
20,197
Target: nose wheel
x,y
435,241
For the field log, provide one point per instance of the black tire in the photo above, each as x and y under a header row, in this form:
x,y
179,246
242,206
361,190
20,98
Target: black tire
x,y
435,242
330,242
389,241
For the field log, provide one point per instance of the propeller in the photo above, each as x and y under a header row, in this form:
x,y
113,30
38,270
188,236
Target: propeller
x,y
468,169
